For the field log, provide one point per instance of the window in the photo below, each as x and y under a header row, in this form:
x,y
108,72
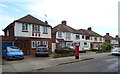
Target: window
x,y
68,34
59,34
7,32
83,37
87,37
100,39
35,44
44,29
68,43
45,43
95,39
77,37
85,43
36,28
24,27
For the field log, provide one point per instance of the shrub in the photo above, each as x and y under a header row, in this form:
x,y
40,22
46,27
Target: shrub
x,y
64,51
96,50
106,46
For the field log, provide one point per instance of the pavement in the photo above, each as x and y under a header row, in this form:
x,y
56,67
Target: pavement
x,y
34,63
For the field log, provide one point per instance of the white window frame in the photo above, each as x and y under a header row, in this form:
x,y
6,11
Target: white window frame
x,y
59,34
45,29
24,27
7,32
36,43
68,34
45,43
35,28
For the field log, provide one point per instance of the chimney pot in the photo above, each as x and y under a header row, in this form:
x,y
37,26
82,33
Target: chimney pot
x,y
107,33
64,22
90,29
46,22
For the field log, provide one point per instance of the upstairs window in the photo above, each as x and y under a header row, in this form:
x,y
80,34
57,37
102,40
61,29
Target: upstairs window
x,y
100,39
77,37
7,32
83,37
68,34
95,39
36,28
24,27
59,34
45,30
87,37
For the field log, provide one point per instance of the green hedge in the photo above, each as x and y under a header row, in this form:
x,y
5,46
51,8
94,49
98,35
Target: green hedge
x,y
62,51
96,49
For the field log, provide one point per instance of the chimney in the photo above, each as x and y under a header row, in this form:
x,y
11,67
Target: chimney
x,y
46,22
107,33
63,22
117,36
90,29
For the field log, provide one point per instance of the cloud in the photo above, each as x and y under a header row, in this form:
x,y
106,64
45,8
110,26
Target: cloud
x,y
2,5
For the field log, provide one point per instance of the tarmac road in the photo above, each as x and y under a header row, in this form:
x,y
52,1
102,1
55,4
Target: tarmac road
x,y
100,64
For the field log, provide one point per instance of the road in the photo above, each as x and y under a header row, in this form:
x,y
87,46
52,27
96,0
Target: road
x,y
100,64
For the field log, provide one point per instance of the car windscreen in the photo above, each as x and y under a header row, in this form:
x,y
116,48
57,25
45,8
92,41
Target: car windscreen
x,y
13,49
116,49
39,48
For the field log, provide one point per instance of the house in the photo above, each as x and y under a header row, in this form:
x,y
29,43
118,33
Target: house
x,y
96,40
118,38
64,35
27,33
113,41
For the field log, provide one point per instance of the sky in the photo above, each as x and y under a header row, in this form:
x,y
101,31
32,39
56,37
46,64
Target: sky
x,y
101,15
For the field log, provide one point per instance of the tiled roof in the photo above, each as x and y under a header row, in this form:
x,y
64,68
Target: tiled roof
x,y
108,37
89,33
30,19
62,28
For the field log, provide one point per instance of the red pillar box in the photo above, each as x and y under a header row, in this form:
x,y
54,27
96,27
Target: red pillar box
x,y
77,52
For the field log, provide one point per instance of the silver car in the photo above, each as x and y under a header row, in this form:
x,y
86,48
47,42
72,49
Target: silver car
x,y
116,51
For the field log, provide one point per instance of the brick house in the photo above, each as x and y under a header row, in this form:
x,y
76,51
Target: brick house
x,y
28,32
95,38
113,41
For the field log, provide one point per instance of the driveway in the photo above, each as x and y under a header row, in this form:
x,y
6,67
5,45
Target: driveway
x,y
27,58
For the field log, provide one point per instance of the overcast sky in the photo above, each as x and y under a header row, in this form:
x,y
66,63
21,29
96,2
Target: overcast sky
x,y
101,15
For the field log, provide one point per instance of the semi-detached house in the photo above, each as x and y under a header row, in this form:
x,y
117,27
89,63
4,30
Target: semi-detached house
x,y
96,40
113,41
28,32
64,35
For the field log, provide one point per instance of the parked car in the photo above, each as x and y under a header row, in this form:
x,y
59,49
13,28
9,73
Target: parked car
x,y
116,51
68,48
42,50
12,52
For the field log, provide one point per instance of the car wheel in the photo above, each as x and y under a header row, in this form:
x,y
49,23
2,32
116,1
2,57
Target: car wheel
x,y
6,58
47,55
36,55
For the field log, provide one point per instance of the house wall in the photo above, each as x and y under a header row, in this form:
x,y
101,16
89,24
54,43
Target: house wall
x,y
98,39
64,36
18,31
114,42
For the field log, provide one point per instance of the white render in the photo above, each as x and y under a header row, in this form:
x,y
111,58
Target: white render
x,y
114,42
18,31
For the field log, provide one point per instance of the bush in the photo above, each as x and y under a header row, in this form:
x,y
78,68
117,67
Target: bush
x,y
96,50
64,51
106,46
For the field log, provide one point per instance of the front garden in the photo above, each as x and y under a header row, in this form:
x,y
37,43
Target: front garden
x,y
106,47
